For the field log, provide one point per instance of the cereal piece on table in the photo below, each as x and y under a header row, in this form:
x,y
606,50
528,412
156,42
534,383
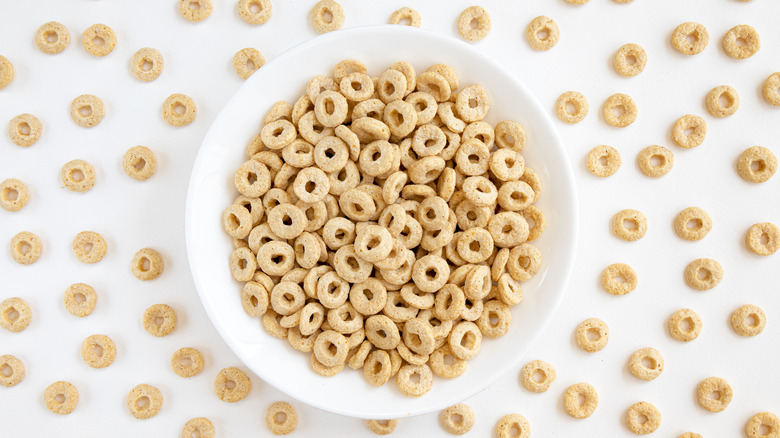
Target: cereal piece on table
x,y
646,363
542,33
655,161
281,418
696,32
619,279
714,394
87,110
178,110
326,16
200,426
232,385
703,274
147,264
13,195
513,426
772,89
629,225
757,164
474,23
579,107
603,161
748,320
544,370
651,414
52,37
716,95
187,362
690,435
7,71
748,46
24,130
98,40
195,10
255,11
382,427
407,384
89,247
14,314
159,320
98,351
689,122
247,61
139,163
144,401
592,335
406,16
80,299
760,423
11,370
685,325
458,419
577,2
572,404
78,176
630,60
146,64
26,248
693,223
620,110
61,397
623,1
764,238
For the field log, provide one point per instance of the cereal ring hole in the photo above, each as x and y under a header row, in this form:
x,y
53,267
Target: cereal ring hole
x,y
186,361
139,164
280,418
593,335
619,110
86,110
539,376
752,320
146,64
763,239
178,109
10,194
98,41
60,398
230,384
326,15
12,314
23,128
144,264
641,419
687,325
76,175
97,350
159,320
24,248
694,224
765,430
657,161
581,399
630,224
758,165
703,274
194,6
631,59
142,403
725,100
741,42
6,370
649,363
715,395
51,36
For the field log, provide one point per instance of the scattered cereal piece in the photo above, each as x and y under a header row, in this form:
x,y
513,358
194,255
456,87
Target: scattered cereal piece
x,y
513,426
692,223
630,60
144,401
24,130
98,40
629,225
748,46
7,72
195,10
772,89
619,279
80,299
646,363
757,164
579,107
714,394
89,247
690,435
13,195
535,368
14,314
696,32
255,11
575,407
232,385
651,414
474,23
716,95
407,16
326,16
187,362
655,161
147,264
703,274
689,123
146,64
620,110
200,427
52,37
281,418
11,370
748,320
592,335
577,2
685,325
98,351
458,419
764,238
78,176
382,427
61,397
247,61
159,320
26,248
178,110
139,163
760,423
603,161
407,384
542,33
87,110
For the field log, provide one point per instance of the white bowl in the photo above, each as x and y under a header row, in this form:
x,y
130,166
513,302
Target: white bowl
x,y
211,191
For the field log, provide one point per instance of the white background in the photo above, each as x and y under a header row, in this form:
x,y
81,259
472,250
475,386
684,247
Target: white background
x,y
198,62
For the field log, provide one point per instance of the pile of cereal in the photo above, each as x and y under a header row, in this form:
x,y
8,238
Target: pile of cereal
x,y
383,224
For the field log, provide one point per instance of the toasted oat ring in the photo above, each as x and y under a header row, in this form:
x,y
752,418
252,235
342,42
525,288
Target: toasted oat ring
x,y
331,290
592,335
89,247
14,314
424,104
508,229
695,124
80,299
428,140
322,348
238,390
465,340
347,66
144,401
357,205
25,129
430,273
11,370
750,45
255,11
650,413
326,16
515,196
281,418
146,64
287,298
406,16
458,419
321,369
139,163
544,370
26,248
359,297
524,261
382,332
611,279
480,191
178,109
98,351
408,386
98,40
757,164
147,264
382,427
349,266
287,221
542,33
579,105
433,213
373,244
377,368
655,363
475,245
78,176
510,135
441,367
356,86
330,108
764,238
615,102
685,325
603,161
655,161
377,158
623,60
531,178
187,362
87,110
637,228
714,394
693,30
159,320
195,10
249,60
474,23
391,86
436,85
6,72
693,223
199,426
52,37
508,424
473,104
703,274
243,264
400,117
571,400
740,320
61,391
714,97
758,423
772,89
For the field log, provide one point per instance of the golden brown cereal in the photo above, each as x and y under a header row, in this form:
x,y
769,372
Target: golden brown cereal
x,y
80,299
26,248
572,403
407,384
703,274
407,16
98,351
61,397
630,60
741,41
772,89
629,225
7,71
619,279
331,348
178,109
693,223
247,61
24,129
232,385
187,362
98,40
697,127
195,10
89,247
696,32
382,427
474,23
144,401
723,92
603,161
14,314
714,394
458,419
748,320
11,370
655,161
652,418
757,164
620,110
78,176
513,426
472,104
139,163
592,335
542,33
13,195
544,370
690,435
763,424
146,64
575,113
382,332
646,363
255,11
685,325
199,426
326,16
764,238
281,418
147,264
52,37
510,135
87,110
159,320
377,367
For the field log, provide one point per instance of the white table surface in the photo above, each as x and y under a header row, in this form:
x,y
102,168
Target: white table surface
x,y
198,62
